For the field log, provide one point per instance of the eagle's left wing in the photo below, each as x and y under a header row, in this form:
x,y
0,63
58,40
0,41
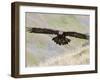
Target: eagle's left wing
x,y
77,35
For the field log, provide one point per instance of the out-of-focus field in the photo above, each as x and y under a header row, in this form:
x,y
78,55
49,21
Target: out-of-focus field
x,y
77,58
42,51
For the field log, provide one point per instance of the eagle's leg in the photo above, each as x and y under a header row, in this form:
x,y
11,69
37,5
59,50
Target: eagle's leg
x,y
61,39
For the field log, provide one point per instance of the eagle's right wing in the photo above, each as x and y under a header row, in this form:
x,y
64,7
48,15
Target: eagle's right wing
x,y
42,30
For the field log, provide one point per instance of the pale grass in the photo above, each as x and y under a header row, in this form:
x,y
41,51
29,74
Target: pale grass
x,y
79,57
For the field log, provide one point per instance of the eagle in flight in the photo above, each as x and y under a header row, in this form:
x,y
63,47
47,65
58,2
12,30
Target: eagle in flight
x,y
61,37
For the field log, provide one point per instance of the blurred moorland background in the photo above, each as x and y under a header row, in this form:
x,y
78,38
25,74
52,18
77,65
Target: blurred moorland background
x,y
42,51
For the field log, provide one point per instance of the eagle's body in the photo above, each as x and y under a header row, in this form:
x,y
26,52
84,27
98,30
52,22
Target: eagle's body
x,y
61,35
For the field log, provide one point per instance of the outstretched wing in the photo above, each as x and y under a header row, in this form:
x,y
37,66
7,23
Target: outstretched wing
x,y
42,30
56,32
76,34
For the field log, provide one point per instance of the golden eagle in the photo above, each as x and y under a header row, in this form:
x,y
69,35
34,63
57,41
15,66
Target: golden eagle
x,y
61,38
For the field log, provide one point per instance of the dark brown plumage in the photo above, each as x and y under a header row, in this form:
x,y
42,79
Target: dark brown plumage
x,y
61,35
